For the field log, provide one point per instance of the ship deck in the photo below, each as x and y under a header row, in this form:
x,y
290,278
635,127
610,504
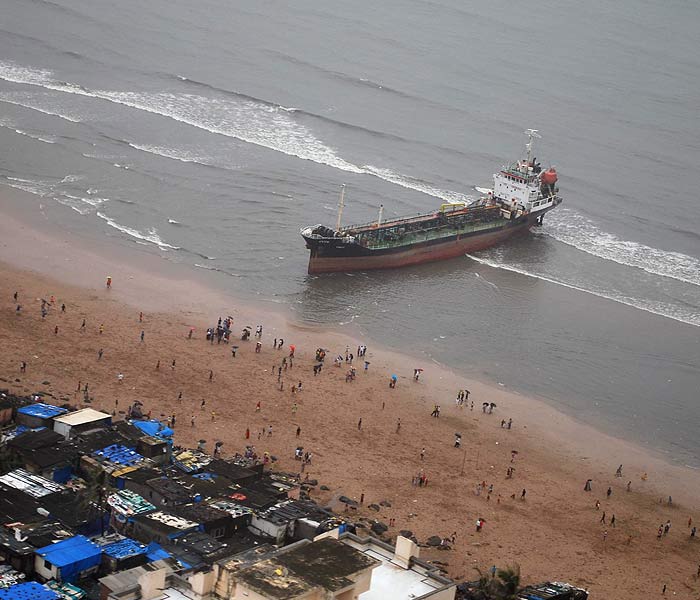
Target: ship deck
x,y
424,235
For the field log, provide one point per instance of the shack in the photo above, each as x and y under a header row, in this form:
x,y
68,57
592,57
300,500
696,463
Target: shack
x,y
81,421
39,415
69,560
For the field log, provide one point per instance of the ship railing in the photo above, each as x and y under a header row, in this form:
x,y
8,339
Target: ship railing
x,y
387,223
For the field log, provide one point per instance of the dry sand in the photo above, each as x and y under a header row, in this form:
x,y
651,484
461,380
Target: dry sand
x,y
555,533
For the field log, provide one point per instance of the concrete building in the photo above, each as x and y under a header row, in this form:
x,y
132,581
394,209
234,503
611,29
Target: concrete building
x,y
324,570
81,421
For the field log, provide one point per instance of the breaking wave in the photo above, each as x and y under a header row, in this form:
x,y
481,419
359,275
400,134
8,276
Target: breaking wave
x,y
151,234
662,309
249,120
572,228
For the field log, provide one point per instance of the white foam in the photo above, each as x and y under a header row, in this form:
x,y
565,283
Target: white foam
x,y
38,188
571,228
8,99
252,122
35,137
150,236
662,309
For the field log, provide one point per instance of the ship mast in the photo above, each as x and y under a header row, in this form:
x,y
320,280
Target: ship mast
x,y
341,204
531,133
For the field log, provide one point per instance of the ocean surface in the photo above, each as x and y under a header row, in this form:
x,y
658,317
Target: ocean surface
x,y
212,131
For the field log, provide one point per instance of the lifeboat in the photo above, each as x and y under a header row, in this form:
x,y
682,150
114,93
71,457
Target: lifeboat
x,y
549,177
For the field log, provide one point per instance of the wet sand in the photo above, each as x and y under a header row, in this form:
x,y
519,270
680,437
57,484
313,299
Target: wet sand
x,y
554,533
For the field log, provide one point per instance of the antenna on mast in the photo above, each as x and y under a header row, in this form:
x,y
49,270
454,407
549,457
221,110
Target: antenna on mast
x,y
341,204
530,133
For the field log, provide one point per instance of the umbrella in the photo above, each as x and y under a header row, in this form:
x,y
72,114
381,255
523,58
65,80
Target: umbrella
x,y
292,347
202,441
419,370
348,501
514,452
493,405
394,377
247,327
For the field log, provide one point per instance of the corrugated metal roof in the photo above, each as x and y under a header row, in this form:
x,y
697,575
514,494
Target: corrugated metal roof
x,y
85,415
33,485
41,410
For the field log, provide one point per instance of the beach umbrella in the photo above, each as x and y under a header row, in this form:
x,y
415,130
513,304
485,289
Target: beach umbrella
x,y
493,405
419,370
292,347
348,501
514,452
394,377
202,441
247,327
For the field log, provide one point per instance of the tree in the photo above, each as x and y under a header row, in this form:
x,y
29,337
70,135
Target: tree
x,y
503,586
507,583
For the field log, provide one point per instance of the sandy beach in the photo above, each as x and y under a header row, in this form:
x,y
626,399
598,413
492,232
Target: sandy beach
x,y
554,533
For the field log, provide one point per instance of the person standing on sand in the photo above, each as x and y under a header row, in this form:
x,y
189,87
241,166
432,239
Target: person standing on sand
x,y
63,307
422,453
612,521
605,535
23,368
192,420
203,404
522,496
172,419
602,518
359,424
143,335
609,492
398,425
158,365
100,352
629,486
298,430
55,330
172,365
211,375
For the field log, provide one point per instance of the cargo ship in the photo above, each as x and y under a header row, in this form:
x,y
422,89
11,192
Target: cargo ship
x,y
522,193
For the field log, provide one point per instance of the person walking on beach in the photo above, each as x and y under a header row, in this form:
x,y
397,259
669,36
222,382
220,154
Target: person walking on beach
x,y
398,425
602,518
55,330
63,307
618,473
143,335
612,521
23,367
192,420
172,365
605,535
422,453
203,404
211,375
522,496
298,430
100,352
510,423
609,492
83,325
359,424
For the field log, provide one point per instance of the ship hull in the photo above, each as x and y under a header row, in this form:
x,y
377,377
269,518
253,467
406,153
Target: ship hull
x,y
352,257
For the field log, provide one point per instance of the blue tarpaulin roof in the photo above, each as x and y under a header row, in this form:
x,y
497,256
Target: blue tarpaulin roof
x,y
28,591
124,548
155,552
72,556
41,410
118,454
155,428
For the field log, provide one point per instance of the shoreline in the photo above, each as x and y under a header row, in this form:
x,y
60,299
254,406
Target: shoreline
x,y
557,453
145,291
